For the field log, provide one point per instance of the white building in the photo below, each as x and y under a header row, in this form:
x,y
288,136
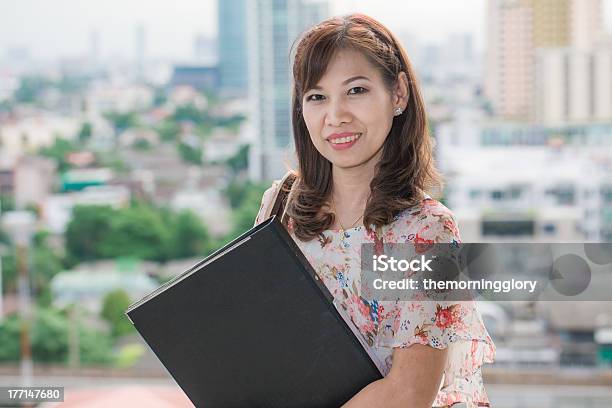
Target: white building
x,y
56,210
108,97
573,85
28,134
208,204
34,179
273,26
89,283
221,145
9,83
514,182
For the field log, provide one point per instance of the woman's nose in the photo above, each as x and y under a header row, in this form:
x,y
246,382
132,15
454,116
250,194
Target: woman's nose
x,y
337,113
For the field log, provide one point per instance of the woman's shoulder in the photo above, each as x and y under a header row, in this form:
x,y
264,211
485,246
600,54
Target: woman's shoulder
x,y
428,220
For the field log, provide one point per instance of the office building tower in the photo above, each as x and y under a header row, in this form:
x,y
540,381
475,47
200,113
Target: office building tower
x,y
94,41
232,45
533,42
140,48
273,27
205,50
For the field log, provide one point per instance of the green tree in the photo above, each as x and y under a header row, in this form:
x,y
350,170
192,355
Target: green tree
x,y
72,84
142,144
190,154
122,121
6,106
189,236
85,132
169,130
95,347
190,113
236,192
232,123
244,216
137,232
49,337
239,161
59,152
160,97
9,271
89,227
30,88
7,202
45,262
4,237
10,328
140,231
114,306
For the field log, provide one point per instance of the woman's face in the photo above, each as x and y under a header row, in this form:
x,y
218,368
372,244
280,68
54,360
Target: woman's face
x,y
350,111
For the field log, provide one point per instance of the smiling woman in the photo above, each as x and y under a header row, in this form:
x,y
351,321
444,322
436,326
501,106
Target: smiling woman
x,y
337,100
364,153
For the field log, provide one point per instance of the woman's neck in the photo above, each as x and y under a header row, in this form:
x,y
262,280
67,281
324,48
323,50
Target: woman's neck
x,y
351,186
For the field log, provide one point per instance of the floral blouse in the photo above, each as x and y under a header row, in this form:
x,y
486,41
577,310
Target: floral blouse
x,y
384,325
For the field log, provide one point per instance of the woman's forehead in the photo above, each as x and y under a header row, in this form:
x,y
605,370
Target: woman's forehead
x,y
347,64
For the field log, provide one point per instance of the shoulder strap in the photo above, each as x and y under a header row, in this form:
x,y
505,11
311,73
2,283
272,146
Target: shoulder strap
x,y
282,197
281,193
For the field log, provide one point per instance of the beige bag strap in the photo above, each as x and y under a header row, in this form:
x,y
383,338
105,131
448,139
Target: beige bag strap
x,y
280,196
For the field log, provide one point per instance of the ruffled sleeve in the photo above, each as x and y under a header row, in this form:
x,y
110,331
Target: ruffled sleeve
x,y
456,325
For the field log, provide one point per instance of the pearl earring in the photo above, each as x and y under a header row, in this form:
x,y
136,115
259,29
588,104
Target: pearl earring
x,y
397,111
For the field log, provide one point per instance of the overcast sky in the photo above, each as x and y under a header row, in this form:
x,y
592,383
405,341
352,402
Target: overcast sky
x,y
51,28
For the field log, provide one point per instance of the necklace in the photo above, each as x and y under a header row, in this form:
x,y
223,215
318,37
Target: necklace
x,y
342,229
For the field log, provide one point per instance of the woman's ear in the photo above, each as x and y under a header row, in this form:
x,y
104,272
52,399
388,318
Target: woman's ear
x,y
401,92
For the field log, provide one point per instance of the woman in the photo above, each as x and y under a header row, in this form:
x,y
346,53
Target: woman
x,y
365,165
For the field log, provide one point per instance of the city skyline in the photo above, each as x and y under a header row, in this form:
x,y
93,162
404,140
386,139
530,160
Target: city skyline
x,y
171,28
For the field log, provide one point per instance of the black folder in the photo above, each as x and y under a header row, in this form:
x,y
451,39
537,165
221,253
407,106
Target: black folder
x,y
252,325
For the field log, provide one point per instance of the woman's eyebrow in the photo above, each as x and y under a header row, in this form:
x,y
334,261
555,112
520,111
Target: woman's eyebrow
x,y
346,82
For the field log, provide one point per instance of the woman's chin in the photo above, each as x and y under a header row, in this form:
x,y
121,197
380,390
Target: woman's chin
x,y
346,162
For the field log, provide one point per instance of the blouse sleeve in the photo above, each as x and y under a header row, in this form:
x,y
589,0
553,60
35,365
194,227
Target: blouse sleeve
x,y
441,324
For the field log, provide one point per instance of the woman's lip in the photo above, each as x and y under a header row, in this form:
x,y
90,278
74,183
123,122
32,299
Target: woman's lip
x,y
342,146
339,135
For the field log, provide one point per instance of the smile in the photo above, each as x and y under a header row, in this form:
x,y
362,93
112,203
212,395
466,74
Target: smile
x,y
345,140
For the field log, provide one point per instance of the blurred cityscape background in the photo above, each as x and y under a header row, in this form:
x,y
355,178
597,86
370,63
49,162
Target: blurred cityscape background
x,y
135,139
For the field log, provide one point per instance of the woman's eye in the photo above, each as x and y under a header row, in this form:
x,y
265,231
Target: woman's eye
x,y
313,97
360,88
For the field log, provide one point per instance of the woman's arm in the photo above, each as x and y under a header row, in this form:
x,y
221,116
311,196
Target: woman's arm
x,y
414,380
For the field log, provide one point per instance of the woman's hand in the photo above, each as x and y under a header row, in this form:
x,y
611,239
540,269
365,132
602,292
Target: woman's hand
x,y
414,380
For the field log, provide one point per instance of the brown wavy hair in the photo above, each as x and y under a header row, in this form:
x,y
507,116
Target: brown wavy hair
x,y
406,169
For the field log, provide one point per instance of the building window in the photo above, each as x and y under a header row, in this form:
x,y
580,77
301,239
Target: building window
x,y
508,227
515,193
475,194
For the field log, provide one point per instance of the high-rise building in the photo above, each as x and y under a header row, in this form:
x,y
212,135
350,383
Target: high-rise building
x,y
140,49
94,41
232,47
273,26
509,58
573,85
533,44
551,22
205,50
